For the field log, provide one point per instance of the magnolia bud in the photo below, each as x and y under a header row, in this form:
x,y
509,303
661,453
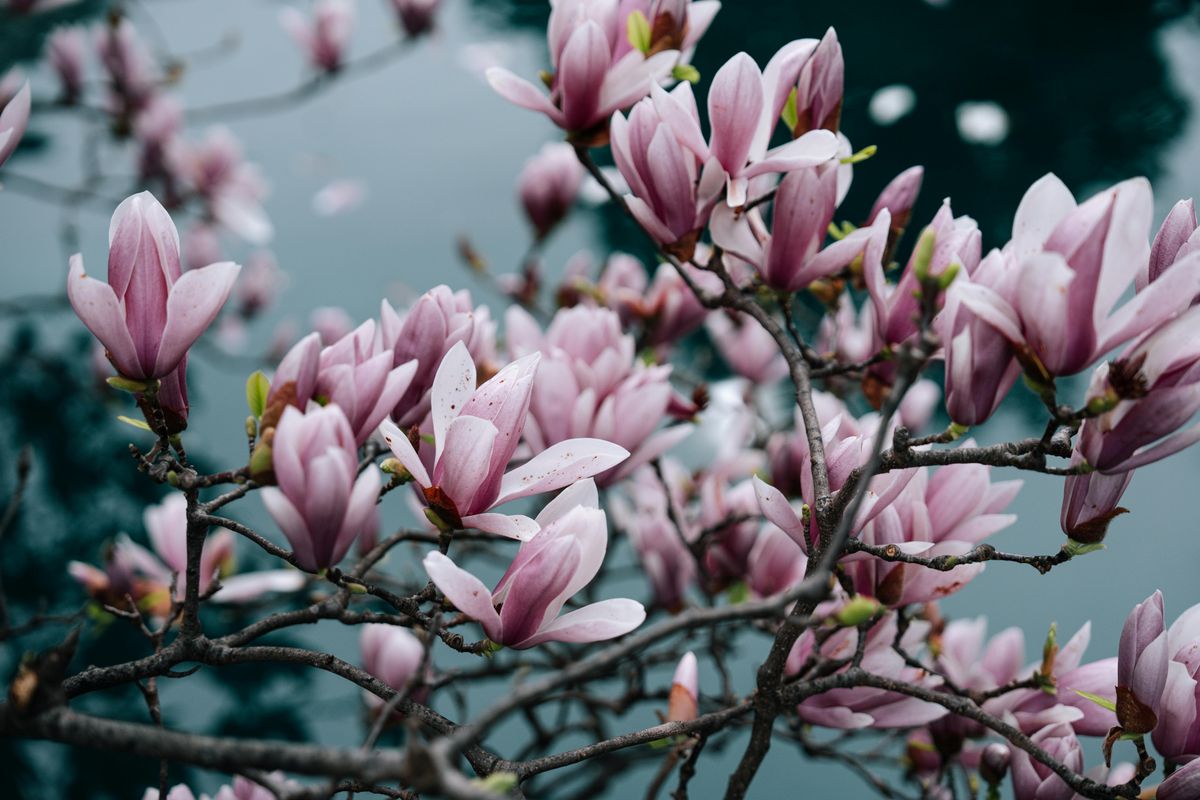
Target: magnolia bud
x,y
993,763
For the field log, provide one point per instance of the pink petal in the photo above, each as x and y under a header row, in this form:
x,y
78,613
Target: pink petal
x,y
253,585
514,526
581,72
465,461
522,93
403,450
464,590
559,465
453,386
597,622
779,512
289,520
194,302
735,105
580,493
810,150
96,305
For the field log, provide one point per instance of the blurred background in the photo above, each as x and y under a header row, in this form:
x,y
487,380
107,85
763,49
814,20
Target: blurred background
x,y
987,96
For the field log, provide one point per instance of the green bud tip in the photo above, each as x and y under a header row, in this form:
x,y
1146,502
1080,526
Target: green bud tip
x,y
129,385
858,610
499,782
923,255
686,72
437,520
637,29
948,275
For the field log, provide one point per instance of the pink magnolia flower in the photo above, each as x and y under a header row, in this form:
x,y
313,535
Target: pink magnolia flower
x,y
947,512
671,192
1177,735
356,374
321,503
295,380
594,71
1176,238
1074,262
166,525
819,86
548,570
977,664
436,322
670,307
1090,503
1154,389
866,707
848,335
1032,708
747,347
548,186
324,37
789,257
132,74
662,551
232,188
156,127
66,50
331,323
148,574
919,403
847,447
393,655
1033,780
956,241
476,432
1183,784
150,312
674,24
13,119
741,119
683,702
262,281
899,197
416,16
981,365
591,384
1142,666
775,563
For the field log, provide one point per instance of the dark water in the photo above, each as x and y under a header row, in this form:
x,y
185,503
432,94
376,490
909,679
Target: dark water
x,y
1093,91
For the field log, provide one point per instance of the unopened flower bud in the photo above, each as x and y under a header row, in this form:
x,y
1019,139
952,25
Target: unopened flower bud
x,y
683,704
993,763
858,610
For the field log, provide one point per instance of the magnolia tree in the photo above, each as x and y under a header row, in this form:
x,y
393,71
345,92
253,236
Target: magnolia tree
x,y
817,545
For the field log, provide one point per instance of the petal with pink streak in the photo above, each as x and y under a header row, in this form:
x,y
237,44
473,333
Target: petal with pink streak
x,y
97,307
194,302
465,460
735,106
289,520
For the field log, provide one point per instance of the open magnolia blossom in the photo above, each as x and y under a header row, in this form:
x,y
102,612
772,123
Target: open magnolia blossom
x,y
793,529
149,576
549,569
594,69
476,431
